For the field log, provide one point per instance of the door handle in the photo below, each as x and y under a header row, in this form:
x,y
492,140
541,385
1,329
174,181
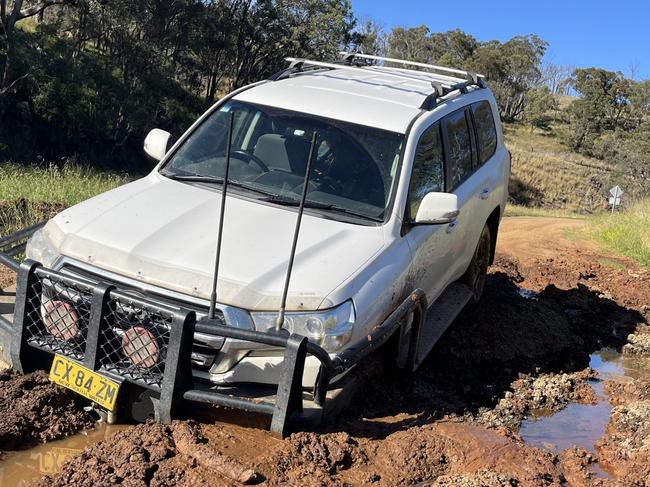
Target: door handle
x,y
452,226
484,194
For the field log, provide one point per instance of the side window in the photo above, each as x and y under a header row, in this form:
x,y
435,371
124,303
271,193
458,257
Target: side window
x,y
485,130
459,157
428,173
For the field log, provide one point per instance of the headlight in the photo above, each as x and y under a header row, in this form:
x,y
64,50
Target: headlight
x,y
40,249
331,329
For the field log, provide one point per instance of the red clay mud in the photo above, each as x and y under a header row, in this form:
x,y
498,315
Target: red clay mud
x,y
33,410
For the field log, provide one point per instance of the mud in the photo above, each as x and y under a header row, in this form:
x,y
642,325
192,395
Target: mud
x,y
33,410
457,420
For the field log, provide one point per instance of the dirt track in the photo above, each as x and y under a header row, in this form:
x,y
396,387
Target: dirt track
x,y
456,421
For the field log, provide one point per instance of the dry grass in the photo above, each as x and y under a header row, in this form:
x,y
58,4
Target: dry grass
x,y
546,174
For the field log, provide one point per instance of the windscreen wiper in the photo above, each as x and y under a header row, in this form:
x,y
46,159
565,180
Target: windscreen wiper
x,y
289,201
197,178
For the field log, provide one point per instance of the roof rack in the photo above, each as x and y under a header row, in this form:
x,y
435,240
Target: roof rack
x,y
350,57
299,65
441,89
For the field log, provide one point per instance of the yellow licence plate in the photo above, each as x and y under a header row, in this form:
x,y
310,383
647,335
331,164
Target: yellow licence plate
x,y
91,385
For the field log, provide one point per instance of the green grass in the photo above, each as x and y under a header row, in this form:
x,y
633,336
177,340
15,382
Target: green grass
x,y
31,194
520,210
66,186
626,232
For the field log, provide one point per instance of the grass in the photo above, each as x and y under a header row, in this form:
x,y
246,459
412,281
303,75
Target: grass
x,y
521,210
547,174
31,194
627,232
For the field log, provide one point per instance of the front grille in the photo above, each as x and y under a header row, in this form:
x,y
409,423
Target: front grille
x,y
58,314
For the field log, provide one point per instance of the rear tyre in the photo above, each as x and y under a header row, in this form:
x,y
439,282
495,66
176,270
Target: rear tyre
x,y
476,274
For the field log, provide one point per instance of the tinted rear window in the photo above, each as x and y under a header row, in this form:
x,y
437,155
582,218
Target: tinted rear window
x,y
485,130
459,158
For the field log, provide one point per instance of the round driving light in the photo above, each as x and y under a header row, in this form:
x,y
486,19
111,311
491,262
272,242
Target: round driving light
x,y
61,319
141,347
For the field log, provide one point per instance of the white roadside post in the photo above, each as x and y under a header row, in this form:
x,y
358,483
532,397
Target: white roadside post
x,y
615,199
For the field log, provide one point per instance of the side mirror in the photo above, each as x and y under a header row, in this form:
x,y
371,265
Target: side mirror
x,y
437,208
155,144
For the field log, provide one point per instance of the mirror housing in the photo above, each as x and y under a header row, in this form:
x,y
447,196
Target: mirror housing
x,y
438,208
155,144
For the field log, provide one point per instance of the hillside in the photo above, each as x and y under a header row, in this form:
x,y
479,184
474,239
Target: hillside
x,y
547,174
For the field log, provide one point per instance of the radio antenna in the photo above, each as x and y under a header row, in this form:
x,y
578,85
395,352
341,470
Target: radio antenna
x,y
283,304
213,295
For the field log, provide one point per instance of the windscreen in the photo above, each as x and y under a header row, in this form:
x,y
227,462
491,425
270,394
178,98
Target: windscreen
x,y
354,167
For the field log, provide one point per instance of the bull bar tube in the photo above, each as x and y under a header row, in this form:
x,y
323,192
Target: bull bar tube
x,y
101,309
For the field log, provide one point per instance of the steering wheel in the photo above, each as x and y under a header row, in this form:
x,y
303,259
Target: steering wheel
x,y
246,157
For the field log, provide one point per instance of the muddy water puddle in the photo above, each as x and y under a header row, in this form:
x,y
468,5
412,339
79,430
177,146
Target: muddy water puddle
x,y
26,468
583,424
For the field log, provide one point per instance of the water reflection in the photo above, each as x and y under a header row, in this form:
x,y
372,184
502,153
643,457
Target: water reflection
x,y
583,424
25,468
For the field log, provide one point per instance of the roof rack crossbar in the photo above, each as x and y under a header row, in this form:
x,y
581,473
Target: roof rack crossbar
x,y
349,57
297,66
440,90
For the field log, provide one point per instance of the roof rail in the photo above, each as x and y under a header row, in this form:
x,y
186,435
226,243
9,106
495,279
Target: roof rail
x,y
349,57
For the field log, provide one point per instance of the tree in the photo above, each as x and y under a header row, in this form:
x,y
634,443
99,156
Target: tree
x,y
512,68
413,44
601,106
12,12
370,38
453,48
540,101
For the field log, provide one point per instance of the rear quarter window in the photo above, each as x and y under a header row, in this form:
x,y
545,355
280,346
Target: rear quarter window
x,y
486,131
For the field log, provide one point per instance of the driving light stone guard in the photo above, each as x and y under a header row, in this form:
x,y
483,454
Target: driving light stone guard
x,y
175,382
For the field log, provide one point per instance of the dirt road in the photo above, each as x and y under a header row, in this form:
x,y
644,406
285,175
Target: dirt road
x,y
552,307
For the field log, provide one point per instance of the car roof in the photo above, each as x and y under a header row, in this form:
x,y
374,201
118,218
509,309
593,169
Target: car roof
x,y
374,96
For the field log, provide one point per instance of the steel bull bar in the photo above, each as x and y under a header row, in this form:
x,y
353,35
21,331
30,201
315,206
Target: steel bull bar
x,y
91,323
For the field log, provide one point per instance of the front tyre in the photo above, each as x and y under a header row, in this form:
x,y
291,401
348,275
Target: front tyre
x,y
476,274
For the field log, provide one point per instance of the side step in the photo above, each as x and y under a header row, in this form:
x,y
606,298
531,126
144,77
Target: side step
x,y
440,315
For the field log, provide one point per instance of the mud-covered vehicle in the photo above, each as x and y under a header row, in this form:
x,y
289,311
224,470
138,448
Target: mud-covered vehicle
x,y
300,224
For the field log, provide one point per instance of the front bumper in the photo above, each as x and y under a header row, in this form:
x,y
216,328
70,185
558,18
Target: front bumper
x,y
57,313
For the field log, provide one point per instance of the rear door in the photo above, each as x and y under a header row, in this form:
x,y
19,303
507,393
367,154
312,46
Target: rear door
x,y
434,247
461,160
480,191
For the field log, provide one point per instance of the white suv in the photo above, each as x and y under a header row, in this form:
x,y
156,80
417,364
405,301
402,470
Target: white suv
x,y
407,187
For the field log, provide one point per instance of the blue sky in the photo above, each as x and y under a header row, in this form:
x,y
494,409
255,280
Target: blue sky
x,y
608,34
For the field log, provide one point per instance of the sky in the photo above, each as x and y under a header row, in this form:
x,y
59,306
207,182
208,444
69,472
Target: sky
x,y
581,33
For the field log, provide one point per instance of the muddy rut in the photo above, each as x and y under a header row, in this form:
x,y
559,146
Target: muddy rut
x,y
525,348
